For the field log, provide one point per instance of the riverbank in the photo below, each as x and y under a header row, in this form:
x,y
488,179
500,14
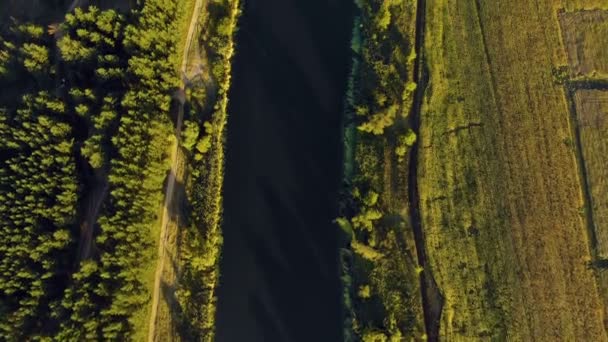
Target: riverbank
x,y
207,76
383,274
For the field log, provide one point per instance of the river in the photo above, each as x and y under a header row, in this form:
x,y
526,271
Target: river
x,y
279,269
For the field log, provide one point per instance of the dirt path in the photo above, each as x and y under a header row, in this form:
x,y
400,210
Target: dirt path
x,y
94,201
432,301
170,190
73,6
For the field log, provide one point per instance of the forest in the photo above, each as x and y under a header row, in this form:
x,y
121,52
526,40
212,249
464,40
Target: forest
x,y
83,160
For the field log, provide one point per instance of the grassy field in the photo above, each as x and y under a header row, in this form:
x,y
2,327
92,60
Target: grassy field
x,y
499,188
585,36
592,112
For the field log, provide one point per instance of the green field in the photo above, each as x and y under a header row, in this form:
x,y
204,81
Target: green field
x,y
501,197
592,113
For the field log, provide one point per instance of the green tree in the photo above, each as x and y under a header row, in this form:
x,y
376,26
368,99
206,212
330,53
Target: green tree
x,y
404,142
374,336
189,134
380,121
35,57
73,50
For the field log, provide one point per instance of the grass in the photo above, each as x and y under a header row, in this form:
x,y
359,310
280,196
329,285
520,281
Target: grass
x,y
585,35
499,191
186,12
166,323
592,112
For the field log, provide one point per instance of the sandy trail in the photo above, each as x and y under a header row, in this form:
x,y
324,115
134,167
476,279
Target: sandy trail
x,y
88,226
170,190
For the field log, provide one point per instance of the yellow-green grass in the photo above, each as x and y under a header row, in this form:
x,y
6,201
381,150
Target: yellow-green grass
x,y
585,36
592,115
186,11
167,318
500,194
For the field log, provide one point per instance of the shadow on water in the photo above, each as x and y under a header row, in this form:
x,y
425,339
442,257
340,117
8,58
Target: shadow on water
x,y
279,267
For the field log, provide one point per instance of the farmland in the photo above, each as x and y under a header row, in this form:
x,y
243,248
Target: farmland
x,y
585,37
500,192
591,109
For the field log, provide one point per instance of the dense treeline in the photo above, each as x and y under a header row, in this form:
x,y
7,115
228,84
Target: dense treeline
x,y
109,295
95,99
38,184
37,209
381,267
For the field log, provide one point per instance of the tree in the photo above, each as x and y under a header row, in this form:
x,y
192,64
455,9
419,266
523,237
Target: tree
x,y
93,152
364,292
204,144
4,60
374,336
35,57
380,121
404,142
73,50
189,134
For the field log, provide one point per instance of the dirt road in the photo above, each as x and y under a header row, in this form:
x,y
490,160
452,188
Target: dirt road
x,y
170,190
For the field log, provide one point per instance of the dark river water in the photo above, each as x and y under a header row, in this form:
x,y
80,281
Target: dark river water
x,y
280,274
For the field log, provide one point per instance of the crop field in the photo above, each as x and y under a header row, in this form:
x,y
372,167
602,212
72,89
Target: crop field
x,y
585,35
592,112
500,195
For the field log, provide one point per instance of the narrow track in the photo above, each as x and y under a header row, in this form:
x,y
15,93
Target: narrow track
x,y
432,301
170,190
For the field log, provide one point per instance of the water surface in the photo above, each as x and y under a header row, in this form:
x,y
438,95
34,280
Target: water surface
x,y
279,266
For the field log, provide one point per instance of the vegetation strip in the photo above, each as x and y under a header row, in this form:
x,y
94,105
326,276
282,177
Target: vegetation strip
x,y
432,301
380,203
170,189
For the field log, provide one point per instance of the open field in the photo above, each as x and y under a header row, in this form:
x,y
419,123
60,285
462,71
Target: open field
x,y
500,193
592,114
